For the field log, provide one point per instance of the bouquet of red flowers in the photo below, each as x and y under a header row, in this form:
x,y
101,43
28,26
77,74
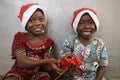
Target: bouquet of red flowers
x,y
70,62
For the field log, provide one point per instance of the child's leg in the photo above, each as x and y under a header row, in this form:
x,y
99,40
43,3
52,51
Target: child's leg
x,y
15,76
41,76
103,78
10,78
66,76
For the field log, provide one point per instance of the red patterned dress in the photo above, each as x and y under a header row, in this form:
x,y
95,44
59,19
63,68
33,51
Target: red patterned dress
x,y
20,45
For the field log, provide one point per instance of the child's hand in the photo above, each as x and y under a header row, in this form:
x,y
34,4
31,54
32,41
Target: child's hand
x,y
70,55
55,67
53,60
54,64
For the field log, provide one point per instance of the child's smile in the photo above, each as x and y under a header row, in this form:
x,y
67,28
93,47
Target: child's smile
x,y
87,32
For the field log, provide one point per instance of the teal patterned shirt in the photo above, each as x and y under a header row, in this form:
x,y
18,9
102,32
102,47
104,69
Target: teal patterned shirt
x,y
93,55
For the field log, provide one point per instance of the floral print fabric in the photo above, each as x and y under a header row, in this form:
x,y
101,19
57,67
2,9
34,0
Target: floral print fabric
x,y
93,55
21,45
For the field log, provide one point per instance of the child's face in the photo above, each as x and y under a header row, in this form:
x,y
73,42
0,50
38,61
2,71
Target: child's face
x,y
86,27
36,23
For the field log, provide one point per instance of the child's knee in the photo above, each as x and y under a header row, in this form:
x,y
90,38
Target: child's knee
x,y
10,78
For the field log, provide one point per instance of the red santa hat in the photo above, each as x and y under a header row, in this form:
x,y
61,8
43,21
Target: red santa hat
x,y
78,14
26,12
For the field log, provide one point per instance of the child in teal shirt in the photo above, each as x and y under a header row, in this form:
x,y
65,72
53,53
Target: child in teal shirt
x,y
84,45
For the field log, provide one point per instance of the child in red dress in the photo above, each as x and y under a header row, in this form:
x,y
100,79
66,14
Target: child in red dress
x,y
32,50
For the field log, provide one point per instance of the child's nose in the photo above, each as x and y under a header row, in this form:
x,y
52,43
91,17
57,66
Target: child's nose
x,y
37,22
86,24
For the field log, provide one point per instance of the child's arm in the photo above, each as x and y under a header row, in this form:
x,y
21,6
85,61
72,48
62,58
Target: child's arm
x,y
50,54
102,64
100,73
25,61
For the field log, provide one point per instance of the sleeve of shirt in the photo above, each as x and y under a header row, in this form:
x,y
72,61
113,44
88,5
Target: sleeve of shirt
x,y
50,52
103,57
17,46
67,46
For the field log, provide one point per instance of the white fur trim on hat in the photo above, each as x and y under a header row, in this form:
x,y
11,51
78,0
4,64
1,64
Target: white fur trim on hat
x,y
79,15
28,13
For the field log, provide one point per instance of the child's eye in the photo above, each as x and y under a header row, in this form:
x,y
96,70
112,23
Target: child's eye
x,y
41,19
31,20
91,23
81,23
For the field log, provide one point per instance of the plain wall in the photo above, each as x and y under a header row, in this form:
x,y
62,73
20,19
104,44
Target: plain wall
x,y
59,14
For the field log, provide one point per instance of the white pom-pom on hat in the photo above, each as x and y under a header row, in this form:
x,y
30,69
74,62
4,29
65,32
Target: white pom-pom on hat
x,y
78,14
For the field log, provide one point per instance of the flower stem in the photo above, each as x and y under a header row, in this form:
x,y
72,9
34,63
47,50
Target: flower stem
x,y
61,73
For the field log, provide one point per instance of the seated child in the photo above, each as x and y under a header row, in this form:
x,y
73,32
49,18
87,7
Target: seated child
x,y
32,50
85,46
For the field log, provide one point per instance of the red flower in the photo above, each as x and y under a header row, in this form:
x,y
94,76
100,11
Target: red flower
x,y
70,62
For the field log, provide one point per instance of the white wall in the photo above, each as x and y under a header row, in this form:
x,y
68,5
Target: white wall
x,y
59,26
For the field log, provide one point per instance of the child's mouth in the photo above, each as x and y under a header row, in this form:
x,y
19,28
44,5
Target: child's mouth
x,y
87,32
